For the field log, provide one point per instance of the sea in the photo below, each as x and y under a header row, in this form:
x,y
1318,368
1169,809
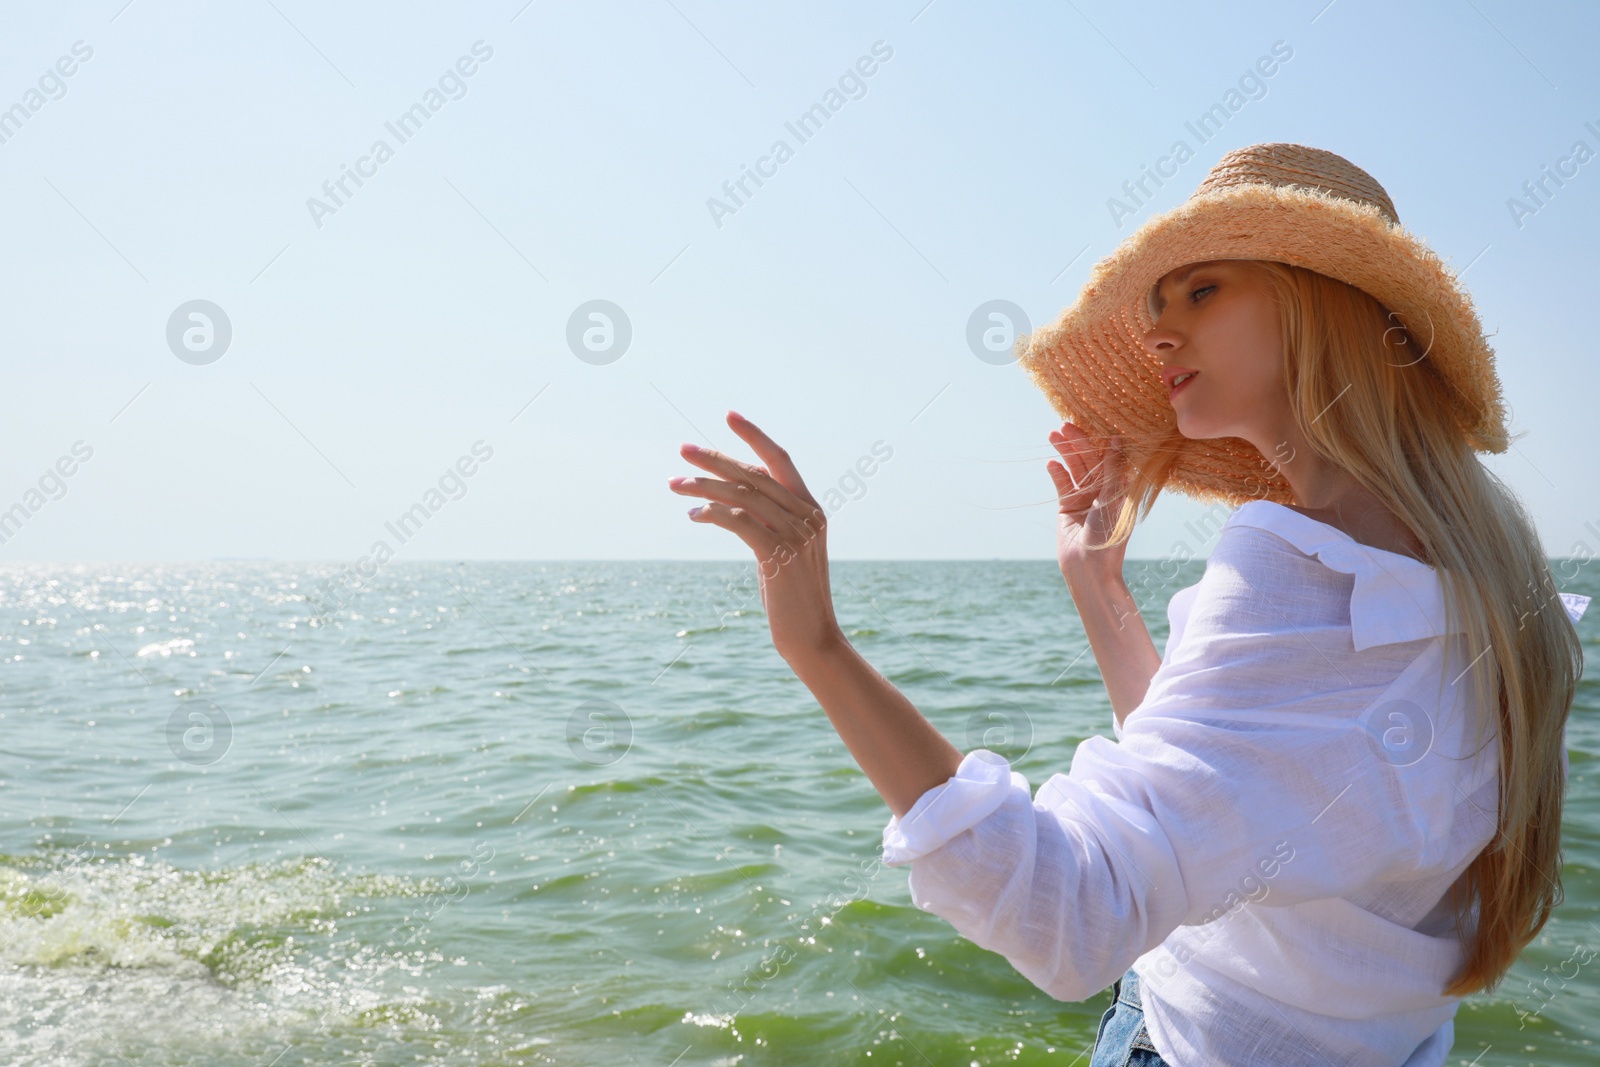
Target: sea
x,y
553,813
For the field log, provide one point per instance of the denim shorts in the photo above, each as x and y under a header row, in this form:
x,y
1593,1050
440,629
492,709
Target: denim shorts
x,y
1122,1040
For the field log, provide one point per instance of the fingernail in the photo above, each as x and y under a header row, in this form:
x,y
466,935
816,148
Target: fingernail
x,y
695,511
675,482
687,447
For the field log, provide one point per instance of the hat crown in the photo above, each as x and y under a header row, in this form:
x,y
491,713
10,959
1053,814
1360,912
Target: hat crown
x,y
1299,165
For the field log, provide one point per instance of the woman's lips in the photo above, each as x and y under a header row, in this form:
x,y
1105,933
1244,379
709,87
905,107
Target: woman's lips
x,y
1182,385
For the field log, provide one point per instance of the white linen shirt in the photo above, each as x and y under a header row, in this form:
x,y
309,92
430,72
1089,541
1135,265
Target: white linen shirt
x,y
1270,840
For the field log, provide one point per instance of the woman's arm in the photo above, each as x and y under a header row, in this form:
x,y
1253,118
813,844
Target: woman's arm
x,y
902,753
772,511
1121,641
1091,480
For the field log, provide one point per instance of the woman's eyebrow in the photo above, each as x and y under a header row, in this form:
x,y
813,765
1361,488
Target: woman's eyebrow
x,y
1161,301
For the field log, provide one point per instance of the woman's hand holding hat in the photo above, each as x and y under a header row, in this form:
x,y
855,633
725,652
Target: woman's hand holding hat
x,y
1091,480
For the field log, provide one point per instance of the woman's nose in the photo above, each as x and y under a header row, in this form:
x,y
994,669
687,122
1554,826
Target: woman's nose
x,y
1159,339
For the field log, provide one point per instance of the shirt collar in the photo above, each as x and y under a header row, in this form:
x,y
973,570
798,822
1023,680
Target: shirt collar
x,y
1395,598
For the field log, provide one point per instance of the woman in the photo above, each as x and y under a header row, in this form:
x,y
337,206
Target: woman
x,y
1307,841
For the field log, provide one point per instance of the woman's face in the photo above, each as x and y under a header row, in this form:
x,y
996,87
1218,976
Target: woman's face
x,y
1219,318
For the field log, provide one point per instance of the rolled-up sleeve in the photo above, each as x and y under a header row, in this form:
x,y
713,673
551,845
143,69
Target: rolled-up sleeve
x,y
1059,886
980,785
1244,767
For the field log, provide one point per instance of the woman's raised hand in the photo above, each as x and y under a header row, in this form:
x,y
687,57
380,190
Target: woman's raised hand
x,y
773,512
1090,486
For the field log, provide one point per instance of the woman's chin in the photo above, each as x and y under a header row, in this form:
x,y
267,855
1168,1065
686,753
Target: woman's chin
x,y
1197,431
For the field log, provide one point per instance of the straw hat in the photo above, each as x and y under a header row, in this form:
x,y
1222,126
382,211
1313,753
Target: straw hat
x,y
1282,202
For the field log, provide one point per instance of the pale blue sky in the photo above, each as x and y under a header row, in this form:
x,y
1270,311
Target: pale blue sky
x,y
374,345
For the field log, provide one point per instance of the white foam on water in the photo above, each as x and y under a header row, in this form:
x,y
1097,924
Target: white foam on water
x,y
150,963
176,646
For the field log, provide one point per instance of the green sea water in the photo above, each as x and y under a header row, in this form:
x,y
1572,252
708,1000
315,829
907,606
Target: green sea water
x,y
559,813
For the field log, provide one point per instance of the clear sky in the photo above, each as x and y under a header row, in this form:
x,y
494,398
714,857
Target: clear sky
x,y
557,154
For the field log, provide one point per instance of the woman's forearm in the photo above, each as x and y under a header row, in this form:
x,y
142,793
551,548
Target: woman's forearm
x,y
1121,641
901,752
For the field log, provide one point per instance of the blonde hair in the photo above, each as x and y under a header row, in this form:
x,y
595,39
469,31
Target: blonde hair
x,y
1396,428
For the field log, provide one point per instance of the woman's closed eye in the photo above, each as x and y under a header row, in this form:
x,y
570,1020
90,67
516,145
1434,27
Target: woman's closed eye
x,y
1202,289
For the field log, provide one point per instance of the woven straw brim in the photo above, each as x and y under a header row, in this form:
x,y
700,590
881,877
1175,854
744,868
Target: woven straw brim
x,y
1093,367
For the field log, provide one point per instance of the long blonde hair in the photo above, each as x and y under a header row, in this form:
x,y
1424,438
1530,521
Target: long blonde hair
x,y
1397,430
